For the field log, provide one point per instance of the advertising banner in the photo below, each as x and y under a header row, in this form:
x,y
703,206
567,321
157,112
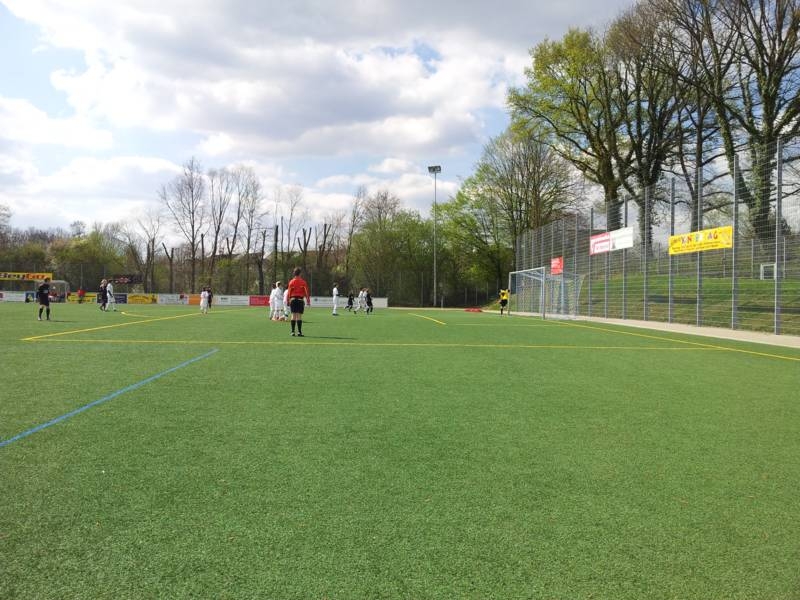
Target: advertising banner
x,y
230,301
609,241
700,241
173,299
259,300
7,276
12,296
88,298
139,298
557,265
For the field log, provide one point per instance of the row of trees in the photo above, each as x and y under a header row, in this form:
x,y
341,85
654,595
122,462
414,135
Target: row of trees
x,y
677,87
672,86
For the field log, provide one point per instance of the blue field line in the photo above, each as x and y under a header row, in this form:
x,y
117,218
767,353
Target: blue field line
x,y
111,396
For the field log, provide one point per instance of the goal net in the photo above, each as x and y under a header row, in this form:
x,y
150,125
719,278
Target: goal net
x,y
535,292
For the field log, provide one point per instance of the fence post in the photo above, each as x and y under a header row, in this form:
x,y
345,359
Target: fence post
x,y
591,231
625,270
778,234
734,252
699,255
645,254
671,280
605,277
575,270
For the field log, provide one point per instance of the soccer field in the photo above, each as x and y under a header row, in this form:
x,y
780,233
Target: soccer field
x,y
158,453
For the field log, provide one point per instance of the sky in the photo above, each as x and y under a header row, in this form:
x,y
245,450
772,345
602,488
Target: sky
x,y
101,103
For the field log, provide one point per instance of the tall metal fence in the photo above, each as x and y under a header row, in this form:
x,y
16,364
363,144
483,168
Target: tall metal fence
x,y
752,285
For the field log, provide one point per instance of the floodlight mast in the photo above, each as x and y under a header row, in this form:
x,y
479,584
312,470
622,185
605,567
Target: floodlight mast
x,y
435,169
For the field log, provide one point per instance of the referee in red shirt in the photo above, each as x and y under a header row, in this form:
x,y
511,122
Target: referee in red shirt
x,y
297,290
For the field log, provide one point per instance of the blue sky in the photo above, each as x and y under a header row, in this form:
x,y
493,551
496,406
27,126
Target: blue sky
x,y
101,102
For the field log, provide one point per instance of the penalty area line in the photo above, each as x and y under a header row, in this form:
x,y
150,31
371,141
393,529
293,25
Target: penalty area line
x,y
428,318
126,324
104,399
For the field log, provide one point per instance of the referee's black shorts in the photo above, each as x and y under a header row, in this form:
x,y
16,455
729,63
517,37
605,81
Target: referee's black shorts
x,y
44,299
297,305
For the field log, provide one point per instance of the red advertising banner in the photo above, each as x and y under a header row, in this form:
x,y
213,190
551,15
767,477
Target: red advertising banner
x,y
557,265
259,300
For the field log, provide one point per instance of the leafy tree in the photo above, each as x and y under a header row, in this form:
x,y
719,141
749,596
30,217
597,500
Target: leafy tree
x,y
573,95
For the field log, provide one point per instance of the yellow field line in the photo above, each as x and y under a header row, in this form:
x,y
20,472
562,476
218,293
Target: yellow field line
x,y
429,318
308,342
71,331
670,339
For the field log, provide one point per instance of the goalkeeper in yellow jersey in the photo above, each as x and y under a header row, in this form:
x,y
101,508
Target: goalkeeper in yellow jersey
x,y
503,301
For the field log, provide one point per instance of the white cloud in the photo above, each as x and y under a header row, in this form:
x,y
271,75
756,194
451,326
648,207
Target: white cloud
x,y
393,165
116,189
367,92
21,121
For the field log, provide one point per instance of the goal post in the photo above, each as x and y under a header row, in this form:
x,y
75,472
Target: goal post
x,y
526,291
537,293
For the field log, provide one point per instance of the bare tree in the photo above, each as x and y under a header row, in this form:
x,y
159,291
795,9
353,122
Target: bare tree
x,y
289,206
140,246
748,55
250,216
221,185
354,221
530,183
185,200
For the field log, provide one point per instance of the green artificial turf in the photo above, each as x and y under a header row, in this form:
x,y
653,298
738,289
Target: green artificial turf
x,y
406,454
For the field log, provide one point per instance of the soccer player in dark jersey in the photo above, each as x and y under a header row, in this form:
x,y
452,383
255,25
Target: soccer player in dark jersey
x,y
43,296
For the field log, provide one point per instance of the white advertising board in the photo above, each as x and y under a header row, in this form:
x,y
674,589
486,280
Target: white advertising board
x,y
12,296
611,240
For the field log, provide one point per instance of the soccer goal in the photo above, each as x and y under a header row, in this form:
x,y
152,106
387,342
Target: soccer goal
x,y
535,292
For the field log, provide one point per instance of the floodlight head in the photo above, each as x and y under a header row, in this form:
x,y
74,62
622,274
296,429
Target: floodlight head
x,y
434,169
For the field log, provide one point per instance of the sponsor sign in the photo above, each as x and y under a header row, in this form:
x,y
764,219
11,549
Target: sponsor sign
x,y
88,298
259,300
140,298
700,241
229,300
12,296
8,276
327,302
609,241
173,299
557,265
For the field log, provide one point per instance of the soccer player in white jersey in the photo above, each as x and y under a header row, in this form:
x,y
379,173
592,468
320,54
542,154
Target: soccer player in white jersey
x,y
112,302
335,298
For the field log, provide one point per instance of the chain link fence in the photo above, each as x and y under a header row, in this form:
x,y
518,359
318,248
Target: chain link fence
x,y
751,283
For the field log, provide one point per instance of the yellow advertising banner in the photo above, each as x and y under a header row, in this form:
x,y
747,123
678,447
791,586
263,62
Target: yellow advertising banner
x,y
24,276
142,298
89,298
700,241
